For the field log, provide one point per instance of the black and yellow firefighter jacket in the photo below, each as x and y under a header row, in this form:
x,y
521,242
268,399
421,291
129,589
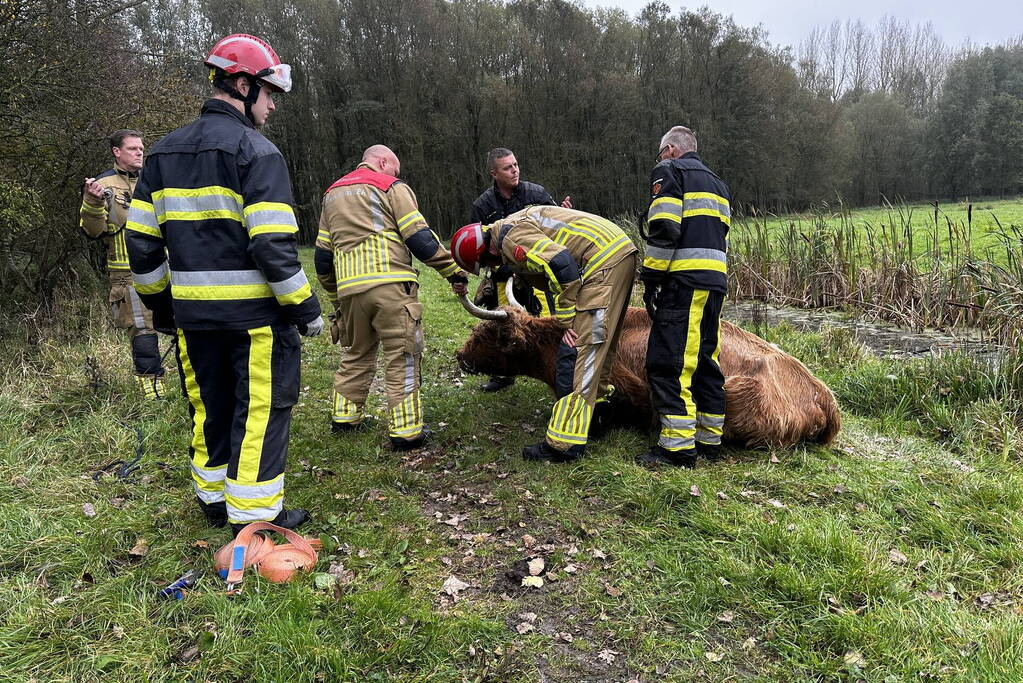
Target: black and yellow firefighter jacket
x,y
370,228
211,231
557,250
104,218
687,226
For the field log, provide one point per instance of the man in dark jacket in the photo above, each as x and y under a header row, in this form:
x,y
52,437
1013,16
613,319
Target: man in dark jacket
x,y
211,243
685,280
507,195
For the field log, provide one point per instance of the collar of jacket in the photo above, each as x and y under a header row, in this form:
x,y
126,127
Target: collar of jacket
x,y
215,106
127,174
690,155
515,192
366,164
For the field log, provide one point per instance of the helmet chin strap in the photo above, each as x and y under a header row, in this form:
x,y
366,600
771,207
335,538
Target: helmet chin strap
x,y
222,82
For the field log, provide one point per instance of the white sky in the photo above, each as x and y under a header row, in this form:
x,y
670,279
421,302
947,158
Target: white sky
x,y
788,21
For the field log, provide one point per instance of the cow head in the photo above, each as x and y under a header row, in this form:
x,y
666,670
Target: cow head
x,y
509,342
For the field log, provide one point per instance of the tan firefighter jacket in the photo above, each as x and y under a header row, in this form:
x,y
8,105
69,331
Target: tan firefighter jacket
x,y
105,219
558,250
370,228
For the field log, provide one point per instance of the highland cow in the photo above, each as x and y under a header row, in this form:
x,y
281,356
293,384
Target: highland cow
x,y
771,398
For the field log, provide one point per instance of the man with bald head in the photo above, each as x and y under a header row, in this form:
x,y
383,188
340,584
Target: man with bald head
x,y
370,228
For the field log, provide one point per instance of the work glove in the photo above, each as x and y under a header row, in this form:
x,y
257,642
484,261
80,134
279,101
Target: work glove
x,y
311,328
163,321
335,328
650,291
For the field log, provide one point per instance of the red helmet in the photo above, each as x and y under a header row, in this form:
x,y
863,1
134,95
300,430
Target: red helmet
x,y
467,245
240,53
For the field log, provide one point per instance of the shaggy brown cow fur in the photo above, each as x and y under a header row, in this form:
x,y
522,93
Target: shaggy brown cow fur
x,y
771,398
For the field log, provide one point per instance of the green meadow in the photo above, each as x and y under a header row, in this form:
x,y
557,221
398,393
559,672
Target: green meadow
x,y
891,555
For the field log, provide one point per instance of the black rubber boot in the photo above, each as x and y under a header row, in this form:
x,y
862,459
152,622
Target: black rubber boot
x,y
544,451
349,427
216,513
411,444
660,457
289,519
708,451
497,383
600,423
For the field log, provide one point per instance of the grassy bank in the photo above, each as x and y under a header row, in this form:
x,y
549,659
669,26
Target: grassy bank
x,y
893,555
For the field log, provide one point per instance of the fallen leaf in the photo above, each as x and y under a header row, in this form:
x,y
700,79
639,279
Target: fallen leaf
x,y
722,495
840,489
774,459
775,503
89,510
854,659
598,554
342,575
323,581
726,617
565,637
607,656
525,627
536,566
532,581
188,655
723,581
118,632
528,616
453,585
140,549
612,591
749,643
201,544
455,520
694,491
713,656
571,569
528,541
897,556
860,507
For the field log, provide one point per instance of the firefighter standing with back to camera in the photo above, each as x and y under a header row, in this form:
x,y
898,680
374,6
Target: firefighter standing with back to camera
x,y
588,263
370,228
684,275
104,210
213,251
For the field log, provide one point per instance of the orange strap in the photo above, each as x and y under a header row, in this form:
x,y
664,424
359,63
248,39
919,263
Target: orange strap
x,y
249,549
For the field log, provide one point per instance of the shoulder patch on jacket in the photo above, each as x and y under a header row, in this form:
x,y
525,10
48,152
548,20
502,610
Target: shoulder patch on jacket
x,y
656,189
520,254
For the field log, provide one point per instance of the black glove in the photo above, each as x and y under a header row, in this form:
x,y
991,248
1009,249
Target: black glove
x,y
650,291
163,321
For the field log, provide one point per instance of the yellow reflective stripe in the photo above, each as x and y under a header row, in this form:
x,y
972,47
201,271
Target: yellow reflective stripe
x,y
144,229
265,206
408,219
448,270
671,201
270,227
253,503
93,210
296,297
396,276
211,214
685,264
154,288
602,256
692,353
666,217
391,236
570,420
258,413
689,213
540,264
406,418
705,195
221,292
207,191
201,455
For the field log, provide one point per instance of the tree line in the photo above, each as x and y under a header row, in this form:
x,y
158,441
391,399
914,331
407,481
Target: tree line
x,y
856,113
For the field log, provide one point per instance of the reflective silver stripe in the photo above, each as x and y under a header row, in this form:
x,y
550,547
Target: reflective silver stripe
x,y
236,516
210,475
672,443
292,284
410,373
136,309
599,334
549,223
200,278
378,214
589,361
706,437
673,422
670,208
709,254
270,217
709,421
152,277
142,217
208,496
400,275
660,253
204,202
249,492
598,260
706,203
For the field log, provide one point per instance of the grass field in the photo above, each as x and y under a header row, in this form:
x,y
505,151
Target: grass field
x,y
893,555
981,226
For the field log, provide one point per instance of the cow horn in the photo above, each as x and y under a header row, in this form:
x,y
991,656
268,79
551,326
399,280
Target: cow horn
x,y
481,313
509,291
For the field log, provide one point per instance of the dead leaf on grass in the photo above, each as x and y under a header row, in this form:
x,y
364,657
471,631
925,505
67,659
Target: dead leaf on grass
x,y
774,459
860,507
598,554
455,520
854,659
565,637
524,627
694,491
201,544
613,591
528,616
454,585
88,510
897,556
722,495
607,656
840,489
571,569
117,631
749,643
342,575
726,617
536,566
713,656
141,548
723,581
532,581
773,502
528,541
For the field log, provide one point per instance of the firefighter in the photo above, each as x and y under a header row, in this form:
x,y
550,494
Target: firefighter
x,y
213,251
104,210
685,281
588,265
370,228
505,196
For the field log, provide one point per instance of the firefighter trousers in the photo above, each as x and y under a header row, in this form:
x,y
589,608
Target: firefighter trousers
x,y
388,317
127,312
600,311
686,384
241,386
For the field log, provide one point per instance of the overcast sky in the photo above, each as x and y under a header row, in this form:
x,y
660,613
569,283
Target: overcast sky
x,y
788,21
